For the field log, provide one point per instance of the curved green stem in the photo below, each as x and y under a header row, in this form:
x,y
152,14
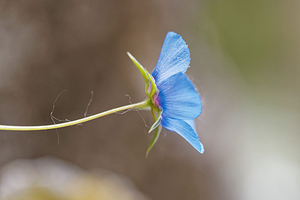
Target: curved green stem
x,y
141,105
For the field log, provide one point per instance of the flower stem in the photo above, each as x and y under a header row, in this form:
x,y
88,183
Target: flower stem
x,y
140,105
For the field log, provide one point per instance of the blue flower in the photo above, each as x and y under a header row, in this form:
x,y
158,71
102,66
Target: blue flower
x,y
174,101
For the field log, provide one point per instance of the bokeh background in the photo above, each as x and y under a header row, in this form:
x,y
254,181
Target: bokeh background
x,y
245,64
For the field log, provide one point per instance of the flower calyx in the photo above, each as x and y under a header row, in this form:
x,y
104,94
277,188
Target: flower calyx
x,y
152,96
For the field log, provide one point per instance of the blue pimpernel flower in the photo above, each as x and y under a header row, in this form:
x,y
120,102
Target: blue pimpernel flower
x,y
173,99
171,96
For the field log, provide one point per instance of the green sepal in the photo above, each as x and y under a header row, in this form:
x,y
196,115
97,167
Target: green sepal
x,y
154,139
156,123
153,88
146,75
143,71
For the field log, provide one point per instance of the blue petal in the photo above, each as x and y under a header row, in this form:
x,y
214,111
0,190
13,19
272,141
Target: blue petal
x,y
191,123
185,130
178,98
174,57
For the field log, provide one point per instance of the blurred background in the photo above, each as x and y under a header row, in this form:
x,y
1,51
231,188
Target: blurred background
x,y
245,64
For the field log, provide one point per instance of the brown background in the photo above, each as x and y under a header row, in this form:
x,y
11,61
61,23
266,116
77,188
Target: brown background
x,y
245,65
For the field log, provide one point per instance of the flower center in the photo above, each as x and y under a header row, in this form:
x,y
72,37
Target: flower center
x,y
155,100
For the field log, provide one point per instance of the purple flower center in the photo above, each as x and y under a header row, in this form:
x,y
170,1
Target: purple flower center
x,y
155,100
